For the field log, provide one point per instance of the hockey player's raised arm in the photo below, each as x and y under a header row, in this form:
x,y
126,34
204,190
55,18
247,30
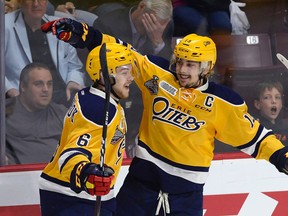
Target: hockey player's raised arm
x,y
79,35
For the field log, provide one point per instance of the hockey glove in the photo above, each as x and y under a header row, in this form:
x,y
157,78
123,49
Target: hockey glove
x,y
280,160
68,30
95,181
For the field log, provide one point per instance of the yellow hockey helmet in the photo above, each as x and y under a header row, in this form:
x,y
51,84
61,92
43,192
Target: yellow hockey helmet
x,y
116,54
196,48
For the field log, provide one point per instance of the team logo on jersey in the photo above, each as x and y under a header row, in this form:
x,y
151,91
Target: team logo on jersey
x,y
117,136
187,95
152,85
72,112
168,113
120,151
168,88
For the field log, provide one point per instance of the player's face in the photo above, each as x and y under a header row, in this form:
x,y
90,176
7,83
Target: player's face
x,y
269,104
123,80
188,73
34,9
38,93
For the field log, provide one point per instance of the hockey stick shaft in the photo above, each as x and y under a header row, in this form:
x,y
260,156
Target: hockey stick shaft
x,y
104,68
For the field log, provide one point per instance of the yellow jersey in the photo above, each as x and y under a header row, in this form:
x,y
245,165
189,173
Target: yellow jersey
x,y
179,125
81,142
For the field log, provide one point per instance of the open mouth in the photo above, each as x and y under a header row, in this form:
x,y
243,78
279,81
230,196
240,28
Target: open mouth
x,y
127,86
184,76
274,109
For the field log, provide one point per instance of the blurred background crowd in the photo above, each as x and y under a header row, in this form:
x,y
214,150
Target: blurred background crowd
x,y
42,74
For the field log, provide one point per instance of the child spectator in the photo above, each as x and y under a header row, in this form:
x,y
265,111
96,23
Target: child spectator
x,y
269,103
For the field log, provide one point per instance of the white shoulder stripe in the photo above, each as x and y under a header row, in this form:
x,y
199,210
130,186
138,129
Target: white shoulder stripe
x,y
63,158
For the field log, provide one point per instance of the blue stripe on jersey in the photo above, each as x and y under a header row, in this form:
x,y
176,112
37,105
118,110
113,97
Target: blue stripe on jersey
x,y
159,61
260,129
257,147
186,167
91,107
57,181
74,152
224,93
254,141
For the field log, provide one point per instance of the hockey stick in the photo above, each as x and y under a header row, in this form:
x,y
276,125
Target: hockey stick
x,y
104,68
282,59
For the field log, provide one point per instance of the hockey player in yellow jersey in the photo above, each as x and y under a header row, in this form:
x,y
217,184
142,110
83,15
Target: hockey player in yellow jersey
x,y
183,113
69,183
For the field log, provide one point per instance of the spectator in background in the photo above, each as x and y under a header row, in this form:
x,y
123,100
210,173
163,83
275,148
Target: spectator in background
x,y
269,104
33,123
201,16
11,6
149,28
26,43
68,7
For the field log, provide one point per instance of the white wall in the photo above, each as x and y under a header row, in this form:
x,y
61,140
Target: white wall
x,y
251,187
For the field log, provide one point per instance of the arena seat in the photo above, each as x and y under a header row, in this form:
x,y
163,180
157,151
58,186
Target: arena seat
x,y
243,50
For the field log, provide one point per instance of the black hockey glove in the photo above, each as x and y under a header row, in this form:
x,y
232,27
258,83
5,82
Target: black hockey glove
x,y
90,178
68,30
280,160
